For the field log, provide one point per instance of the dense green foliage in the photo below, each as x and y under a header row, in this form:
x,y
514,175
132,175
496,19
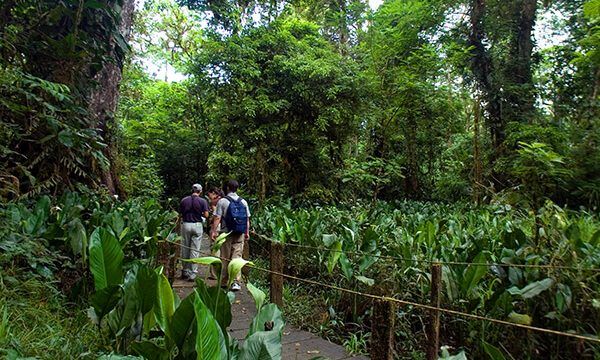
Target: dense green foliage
x,y
302,87
314,104
109,252
165,146
456,131
387,248
50,53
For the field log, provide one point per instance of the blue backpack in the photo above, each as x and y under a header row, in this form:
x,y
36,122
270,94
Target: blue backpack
x,y
236,218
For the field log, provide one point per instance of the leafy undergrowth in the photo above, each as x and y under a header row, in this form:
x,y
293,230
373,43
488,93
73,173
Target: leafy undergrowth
x,y
109,258
36,322
314,310
386,248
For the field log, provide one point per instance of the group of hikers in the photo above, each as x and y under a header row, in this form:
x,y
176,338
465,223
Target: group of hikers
x,y
226,212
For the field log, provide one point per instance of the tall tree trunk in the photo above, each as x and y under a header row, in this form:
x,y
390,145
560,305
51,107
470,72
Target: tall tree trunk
x,y
520,96
343,31
262,172
481,64
485,74
477,164
104,99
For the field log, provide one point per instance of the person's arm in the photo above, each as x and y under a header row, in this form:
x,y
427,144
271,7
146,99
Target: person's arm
x,y
215,226
205,208
247,235
216,219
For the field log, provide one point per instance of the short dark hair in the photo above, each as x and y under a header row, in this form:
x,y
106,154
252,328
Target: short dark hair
x,y
217,191
232,186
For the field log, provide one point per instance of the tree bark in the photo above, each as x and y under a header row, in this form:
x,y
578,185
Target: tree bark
x,y
520,97
343,32
104,99
477,164
491,93
481,64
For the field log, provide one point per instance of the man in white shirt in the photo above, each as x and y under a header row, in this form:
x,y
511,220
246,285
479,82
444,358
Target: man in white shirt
x,y
233,214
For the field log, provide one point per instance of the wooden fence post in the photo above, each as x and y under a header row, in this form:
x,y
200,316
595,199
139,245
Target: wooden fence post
x,y
277,280
382,330
434,323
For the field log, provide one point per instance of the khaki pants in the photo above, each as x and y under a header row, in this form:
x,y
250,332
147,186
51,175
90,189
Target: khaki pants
x,y
232,248
192,236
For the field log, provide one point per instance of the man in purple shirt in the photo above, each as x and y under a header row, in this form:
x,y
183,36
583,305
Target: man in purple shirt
x,y
193,210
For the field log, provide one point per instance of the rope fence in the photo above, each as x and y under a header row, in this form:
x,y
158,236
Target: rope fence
x,y
449,263
432,308
387,299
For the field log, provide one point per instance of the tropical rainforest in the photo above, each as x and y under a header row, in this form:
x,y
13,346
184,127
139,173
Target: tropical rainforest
x,y
371,139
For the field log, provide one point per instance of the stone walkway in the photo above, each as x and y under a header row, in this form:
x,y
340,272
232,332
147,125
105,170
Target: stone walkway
x,y
297,344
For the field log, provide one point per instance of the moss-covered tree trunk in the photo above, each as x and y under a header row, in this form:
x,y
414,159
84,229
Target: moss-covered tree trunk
x,y
104,99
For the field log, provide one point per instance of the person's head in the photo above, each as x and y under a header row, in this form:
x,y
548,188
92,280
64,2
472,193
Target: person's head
x,y
214,194
231,186
196,189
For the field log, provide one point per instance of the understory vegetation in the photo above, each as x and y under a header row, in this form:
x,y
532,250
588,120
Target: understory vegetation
x,y
111,261
371,138
388,249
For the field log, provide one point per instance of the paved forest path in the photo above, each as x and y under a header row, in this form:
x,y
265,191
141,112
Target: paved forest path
x,y
297,344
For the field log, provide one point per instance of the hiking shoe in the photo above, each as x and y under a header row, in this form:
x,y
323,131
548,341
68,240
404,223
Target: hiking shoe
x,y
235,287
192,277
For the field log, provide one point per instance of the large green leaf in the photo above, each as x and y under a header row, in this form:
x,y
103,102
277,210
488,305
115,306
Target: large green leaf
x,y
335,251
346,266
184,320
146,283
78,239
164,306
446,355
219,241
367,260
258,295
563,297
262,345
235,267
150,350
217,301
209,338
208,260
268,314
517,318
329,239
365,280
474,273
103,301
533,289
126,313
149,321
106,259
493,352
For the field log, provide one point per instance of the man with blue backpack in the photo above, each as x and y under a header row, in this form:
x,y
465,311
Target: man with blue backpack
x,y
233,214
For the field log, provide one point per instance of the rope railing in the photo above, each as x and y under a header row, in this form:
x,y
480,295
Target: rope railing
x,y
411,303
432,308
426,261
